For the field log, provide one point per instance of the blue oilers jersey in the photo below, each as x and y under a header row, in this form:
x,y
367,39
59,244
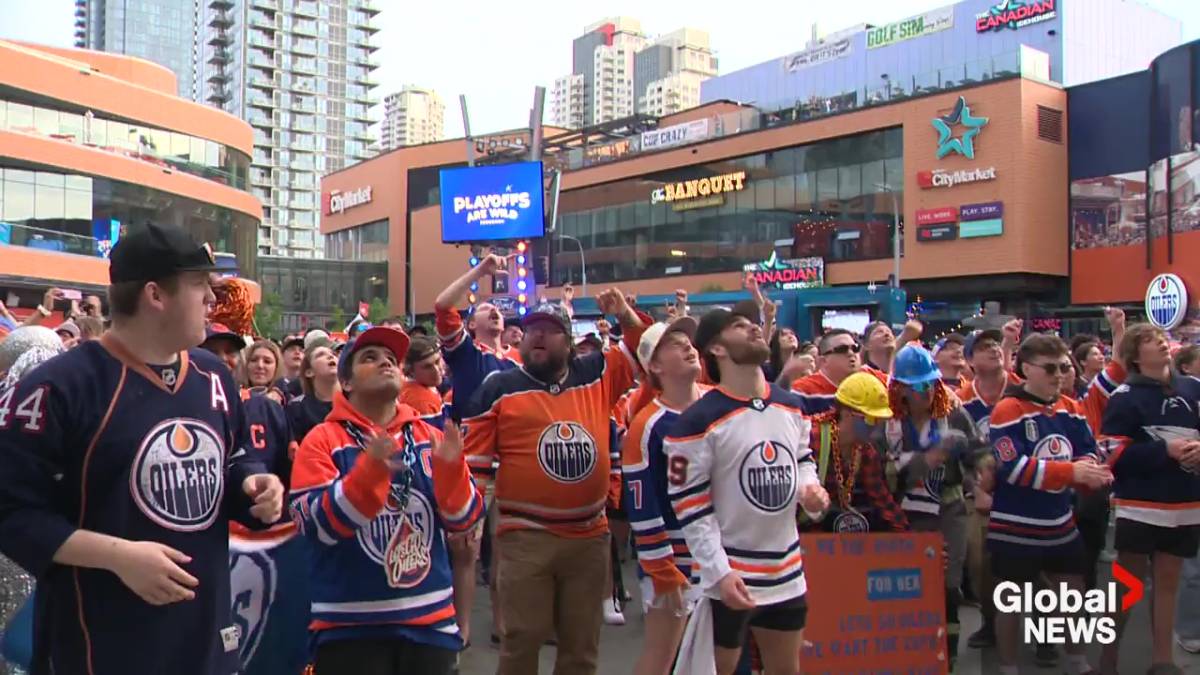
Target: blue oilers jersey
x,y
1034,445
93,439
1142,416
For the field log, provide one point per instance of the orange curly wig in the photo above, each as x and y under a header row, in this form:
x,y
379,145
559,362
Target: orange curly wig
x,y
234,308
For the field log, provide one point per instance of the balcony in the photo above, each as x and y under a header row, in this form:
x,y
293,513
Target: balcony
x,y
265,4
258,100
304,8
263,23
368,6
220,40
80,11
304,29
220,5
261,41
218,78
220,21
256,80
220,57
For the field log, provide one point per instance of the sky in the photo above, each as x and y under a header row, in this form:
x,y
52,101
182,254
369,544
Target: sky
x,y
497,52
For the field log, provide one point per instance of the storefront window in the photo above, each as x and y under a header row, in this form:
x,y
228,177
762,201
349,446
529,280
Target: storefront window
x,y
822,199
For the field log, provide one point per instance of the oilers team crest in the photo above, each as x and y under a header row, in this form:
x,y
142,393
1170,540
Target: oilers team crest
x,y
401,541
1166,301
768,476
252,581
178,475
567,452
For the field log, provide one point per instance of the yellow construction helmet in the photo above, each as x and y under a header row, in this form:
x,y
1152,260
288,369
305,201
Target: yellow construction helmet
x,y
866,394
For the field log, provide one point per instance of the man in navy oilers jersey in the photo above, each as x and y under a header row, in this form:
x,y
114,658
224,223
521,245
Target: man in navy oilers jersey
x,y
121,462
738,463
1042,446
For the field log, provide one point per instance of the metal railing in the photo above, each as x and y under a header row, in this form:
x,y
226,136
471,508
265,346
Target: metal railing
x,y
15,234
783,112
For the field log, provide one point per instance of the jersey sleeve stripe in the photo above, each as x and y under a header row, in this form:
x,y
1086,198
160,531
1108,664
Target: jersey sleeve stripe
x,y
648,525
684,521
762,555
346,507
758,568
693,490
335,524
1016,471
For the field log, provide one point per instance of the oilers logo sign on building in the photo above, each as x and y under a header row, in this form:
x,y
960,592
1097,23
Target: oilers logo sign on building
x,y
567,452
768,476
400,539
178,476
1166,301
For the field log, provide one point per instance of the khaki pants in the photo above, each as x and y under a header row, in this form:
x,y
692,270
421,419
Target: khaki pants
x,y
980,564
551,586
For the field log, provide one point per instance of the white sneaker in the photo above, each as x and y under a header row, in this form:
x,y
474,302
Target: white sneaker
x,y
612,613
1189,646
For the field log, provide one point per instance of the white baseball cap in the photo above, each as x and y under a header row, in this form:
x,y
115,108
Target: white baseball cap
x,y
654,334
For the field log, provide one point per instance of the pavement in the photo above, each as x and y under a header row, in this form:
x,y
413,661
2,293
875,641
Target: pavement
x,y
620,645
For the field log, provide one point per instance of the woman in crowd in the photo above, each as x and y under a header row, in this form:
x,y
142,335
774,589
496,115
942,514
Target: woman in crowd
x,y
1091,359
319,381
784,344
263,368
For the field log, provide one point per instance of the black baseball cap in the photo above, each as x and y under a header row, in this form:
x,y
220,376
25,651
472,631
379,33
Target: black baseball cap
x,y
293,341
548,311
717,320
157,252
974,338
219,331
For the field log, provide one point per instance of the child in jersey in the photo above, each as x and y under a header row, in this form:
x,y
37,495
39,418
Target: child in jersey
x,y
1042,446
671,365
1151,434
739,461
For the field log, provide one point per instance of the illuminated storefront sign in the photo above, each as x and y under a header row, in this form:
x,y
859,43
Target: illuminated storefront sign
x,y
945,214
941,178
338,201
981,220
964,144
1014,14
789,274
705,191
912,27
1166,301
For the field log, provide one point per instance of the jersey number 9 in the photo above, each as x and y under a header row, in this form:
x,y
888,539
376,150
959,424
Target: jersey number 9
x,y
677,470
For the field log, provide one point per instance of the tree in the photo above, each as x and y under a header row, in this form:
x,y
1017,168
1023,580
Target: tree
x,y
377,312
338,317
267,315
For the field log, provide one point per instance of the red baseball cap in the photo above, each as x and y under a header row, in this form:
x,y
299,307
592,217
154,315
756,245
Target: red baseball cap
x,y
392,339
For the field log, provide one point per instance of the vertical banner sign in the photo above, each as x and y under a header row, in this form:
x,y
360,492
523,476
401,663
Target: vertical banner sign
x,y
875,603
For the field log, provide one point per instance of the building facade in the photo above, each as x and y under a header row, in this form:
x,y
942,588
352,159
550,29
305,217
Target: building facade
x,y
300,72
668,72
163,31
93,145
717,190
412,116
617,71
1135,184
1081,40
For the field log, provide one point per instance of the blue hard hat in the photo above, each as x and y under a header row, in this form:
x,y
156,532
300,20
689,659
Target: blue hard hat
x,y
914,365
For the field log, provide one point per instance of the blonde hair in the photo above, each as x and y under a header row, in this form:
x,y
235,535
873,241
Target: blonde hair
x,y
249,353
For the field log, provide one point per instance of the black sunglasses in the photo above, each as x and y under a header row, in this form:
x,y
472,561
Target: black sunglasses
x,y
844,349
1052,368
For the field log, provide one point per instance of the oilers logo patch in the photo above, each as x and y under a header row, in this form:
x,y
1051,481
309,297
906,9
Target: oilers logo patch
x,y
984,426
567,452
178,475
1055,447
1005,449
768,476
401,541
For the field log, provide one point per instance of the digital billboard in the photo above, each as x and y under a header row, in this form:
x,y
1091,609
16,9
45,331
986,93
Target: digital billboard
x,y
491,203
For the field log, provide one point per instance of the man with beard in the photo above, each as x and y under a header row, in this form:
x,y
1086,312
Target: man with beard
x,y
546,425
739,461
881,343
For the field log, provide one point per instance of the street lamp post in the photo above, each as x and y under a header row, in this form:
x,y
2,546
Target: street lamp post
x,y
895,233
582,261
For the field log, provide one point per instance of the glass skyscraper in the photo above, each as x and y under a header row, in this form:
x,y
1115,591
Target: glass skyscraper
x,y
162,31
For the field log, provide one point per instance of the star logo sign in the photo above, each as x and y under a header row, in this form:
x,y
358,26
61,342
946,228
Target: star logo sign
x,y
965,143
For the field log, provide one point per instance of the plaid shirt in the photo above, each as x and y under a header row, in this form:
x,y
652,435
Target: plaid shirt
x,y
871,496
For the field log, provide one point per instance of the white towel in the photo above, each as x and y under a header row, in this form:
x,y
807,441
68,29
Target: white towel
x,y
696,656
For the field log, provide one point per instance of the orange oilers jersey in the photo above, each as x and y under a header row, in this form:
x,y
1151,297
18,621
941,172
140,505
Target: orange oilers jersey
x,y
428,403
548,445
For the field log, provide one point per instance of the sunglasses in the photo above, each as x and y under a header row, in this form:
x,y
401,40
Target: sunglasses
x,y
922,387
870,421
844,349
1053,368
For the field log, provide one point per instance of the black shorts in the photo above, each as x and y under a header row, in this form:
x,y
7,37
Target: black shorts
x,y
617,513
1020,568
1134,536
730,625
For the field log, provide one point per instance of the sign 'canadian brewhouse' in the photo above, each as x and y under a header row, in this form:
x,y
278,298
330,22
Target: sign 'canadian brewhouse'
x,y
790,274
1014,14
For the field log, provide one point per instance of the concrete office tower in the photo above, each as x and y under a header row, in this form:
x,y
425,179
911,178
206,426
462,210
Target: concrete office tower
x,y
600,86
668,72
412,116
162,31
299,71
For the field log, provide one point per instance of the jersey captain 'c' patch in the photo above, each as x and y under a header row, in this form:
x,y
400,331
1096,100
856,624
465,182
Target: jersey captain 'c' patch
x,y
567,452
178,476
768,476
401,541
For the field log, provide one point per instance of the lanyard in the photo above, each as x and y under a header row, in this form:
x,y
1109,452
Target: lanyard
x,y
408,455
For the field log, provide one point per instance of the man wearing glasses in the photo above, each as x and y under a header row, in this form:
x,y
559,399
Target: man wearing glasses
x,y
1042,446
841,357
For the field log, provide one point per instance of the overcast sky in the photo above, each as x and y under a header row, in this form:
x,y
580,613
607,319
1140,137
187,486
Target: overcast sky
x,y
496,52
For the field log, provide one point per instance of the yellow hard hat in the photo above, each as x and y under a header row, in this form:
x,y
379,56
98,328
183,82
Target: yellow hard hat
x,y
866,394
